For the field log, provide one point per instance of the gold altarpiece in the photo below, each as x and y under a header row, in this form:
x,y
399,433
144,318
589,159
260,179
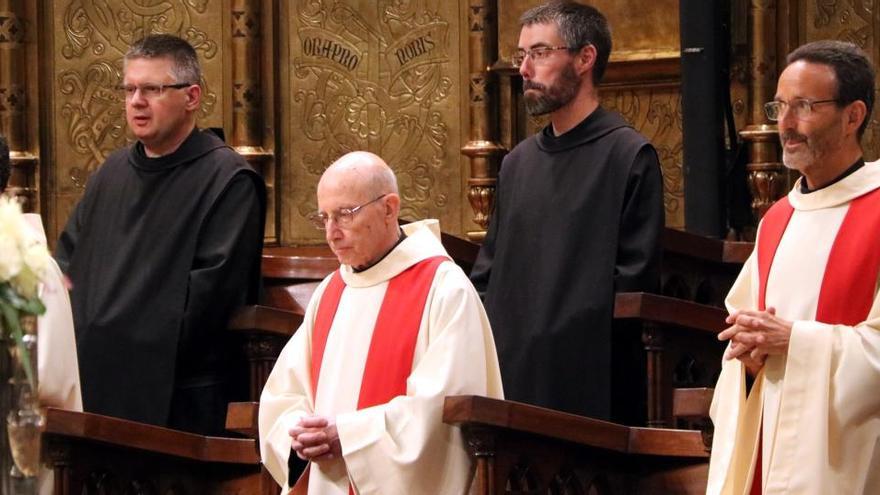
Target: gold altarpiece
x,y
427,84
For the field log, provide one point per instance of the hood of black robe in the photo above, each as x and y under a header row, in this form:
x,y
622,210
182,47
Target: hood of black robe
x,y
598,124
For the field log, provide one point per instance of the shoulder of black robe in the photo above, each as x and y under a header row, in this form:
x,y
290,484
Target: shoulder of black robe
x,y
552,259
132,248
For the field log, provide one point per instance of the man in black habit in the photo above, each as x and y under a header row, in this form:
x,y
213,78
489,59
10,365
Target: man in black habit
x,y
164,244
578,215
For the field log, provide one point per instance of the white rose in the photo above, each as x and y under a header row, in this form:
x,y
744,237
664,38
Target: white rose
x,y
11,261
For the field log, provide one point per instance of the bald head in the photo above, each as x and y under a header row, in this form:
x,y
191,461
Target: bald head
x,y
363,182
364,172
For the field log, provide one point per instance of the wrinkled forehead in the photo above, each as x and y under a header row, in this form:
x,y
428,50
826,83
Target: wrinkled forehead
x,y
342,189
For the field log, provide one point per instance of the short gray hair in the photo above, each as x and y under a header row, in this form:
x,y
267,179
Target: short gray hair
x,y
579,25
186,68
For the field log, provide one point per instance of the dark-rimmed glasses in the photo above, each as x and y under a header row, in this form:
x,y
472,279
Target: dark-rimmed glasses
x,y
342,216
801,108
149,90
537,54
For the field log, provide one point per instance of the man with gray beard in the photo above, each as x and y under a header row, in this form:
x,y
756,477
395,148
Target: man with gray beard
x,y
805,310
578,217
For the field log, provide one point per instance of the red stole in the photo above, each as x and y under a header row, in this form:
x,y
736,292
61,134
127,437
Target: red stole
x,y
847,291
393,344
392,347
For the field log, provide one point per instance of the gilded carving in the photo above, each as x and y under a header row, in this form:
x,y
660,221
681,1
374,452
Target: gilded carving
x,y
96,24
379,81
245,25
482,199
11,29
477,18
12,99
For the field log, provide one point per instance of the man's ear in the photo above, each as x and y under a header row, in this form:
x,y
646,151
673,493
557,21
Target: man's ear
x,y
392,206
856,113
193,97
585,59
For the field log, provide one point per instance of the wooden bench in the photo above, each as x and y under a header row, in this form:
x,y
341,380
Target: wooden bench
x,y
91,453
518,448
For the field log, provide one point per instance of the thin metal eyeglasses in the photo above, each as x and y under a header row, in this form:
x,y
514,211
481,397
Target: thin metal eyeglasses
x,y
537,54
149,90
801,108
342,216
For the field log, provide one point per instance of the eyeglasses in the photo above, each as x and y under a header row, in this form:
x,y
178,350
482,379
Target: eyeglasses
x,y
149,90
343,216
801,108
537,54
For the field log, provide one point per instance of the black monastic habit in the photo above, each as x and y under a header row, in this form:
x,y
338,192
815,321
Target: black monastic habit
x,y
160,251
577,217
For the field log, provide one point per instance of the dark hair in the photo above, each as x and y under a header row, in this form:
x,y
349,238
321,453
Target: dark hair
x,y
5,165
852,69
186,62
579,25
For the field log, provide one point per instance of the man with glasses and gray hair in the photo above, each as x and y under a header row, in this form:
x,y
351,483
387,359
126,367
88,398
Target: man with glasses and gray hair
x,y
796,408
358,391
164,244
578,216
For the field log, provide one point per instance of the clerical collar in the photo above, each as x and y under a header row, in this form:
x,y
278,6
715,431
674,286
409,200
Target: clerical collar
x,y
805,189
371,265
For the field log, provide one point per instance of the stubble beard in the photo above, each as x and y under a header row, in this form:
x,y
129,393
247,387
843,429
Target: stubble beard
x,y
553,97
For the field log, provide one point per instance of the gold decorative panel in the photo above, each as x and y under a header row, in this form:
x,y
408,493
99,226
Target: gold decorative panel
x,y
855,21
88,118
382,76
652,32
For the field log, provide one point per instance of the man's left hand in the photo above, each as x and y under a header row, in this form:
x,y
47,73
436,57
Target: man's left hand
x,y
760,333
316,439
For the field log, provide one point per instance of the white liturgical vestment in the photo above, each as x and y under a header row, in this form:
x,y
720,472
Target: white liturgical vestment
x,y
820,427
402,446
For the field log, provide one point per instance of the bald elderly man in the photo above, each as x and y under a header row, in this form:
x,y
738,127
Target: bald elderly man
x,y
358,391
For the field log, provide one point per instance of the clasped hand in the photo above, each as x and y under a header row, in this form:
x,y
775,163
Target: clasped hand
x,y
754,335
315,439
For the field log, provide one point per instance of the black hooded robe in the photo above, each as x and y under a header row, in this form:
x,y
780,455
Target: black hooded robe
x,y
160,251
577,218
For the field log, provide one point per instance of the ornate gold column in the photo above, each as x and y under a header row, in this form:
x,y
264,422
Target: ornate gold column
x,y
247,98
482,149
13,102
766,175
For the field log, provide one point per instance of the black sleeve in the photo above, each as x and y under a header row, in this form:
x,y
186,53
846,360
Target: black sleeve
x,y
637,268
227,253
69,236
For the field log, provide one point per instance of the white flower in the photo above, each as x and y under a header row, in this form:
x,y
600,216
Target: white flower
x,y
10,258
23,259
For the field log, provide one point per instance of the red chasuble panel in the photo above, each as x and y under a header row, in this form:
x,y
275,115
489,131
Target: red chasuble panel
x,y
392,348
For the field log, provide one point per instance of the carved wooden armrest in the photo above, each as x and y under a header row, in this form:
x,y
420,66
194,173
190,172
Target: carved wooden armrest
x,y
692,404
264,330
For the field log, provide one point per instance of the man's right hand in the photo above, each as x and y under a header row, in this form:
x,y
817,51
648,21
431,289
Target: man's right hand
x,y
315,439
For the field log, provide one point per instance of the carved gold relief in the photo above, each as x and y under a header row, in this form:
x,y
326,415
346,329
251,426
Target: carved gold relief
x,y
377,76
11,28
